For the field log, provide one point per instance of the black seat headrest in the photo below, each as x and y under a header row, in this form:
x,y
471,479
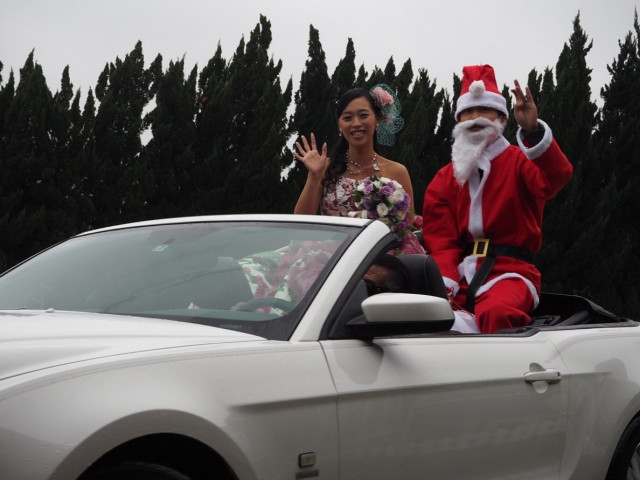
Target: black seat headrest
x,y
425,275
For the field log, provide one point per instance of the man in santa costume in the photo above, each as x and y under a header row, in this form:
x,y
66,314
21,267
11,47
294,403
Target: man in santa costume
x,y
482,216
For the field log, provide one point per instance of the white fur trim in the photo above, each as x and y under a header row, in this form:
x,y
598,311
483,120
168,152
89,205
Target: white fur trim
x,y
537,150
487,286
485,99
464,322
469,266
477,87
449,283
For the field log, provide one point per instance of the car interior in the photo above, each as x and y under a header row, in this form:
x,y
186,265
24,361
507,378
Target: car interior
x,y
555,311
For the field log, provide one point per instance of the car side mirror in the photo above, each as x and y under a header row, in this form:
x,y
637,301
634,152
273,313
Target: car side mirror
x,y
393,314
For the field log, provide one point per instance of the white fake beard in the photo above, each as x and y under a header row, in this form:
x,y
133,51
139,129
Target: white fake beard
x,y
468,146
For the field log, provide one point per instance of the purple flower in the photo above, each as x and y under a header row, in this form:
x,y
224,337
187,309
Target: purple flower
x,y
387,190
368,188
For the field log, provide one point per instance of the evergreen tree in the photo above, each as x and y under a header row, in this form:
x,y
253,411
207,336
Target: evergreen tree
x,y
406,74
572,117
67,125
361,78
86,165
248,149
32,216
423,145
315,105
6,97
570,112
212,120
614,184
378,76
170,152
344,76
122,185
403,81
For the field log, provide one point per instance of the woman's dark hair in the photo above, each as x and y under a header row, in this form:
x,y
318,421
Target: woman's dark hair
x,y
338,153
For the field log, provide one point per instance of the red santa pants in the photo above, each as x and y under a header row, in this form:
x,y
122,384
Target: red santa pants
x,y
507,304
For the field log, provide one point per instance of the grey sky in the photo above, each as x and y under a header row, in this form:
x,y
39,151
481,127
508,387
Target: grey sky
x,y
512,35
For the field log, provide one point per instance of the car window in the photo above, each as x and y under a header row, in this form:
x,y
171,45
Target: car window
x,y
256,278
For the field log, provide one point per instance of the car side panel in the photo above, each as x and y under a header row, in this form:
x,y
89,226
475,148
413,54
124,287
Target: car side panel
x,y
259,404
454,407
604,366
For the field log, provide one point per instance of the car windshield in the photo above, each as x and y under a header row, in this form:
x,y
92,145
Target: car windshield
x,y
253,277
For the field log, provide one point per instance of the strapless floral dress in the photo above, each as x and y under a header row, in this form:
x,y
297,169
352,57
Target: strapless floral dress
x,y
338,201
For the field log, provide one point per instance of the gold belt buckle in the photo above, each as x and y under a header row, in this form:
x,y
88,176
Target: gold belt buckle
x,y
480,247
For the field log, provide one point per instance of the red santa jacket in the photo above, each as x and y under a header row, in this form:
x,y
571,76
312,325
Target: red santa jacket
x,y
505,204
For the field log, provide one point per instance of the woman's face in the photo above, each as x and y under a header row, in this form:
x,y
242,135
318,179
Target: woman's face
x,y
357,122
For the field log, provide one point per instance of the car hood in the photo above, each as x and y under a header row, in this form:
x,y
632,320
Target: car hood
x,y
34,340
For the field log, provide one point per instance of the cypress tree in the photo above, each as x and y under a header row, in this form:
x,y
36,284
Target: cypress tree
x,y
361,78
248,148
86,164
123,184
315,105
67,125
422,146
344,75
30,219
378,76
614,184
170,152
403,81
7,93
212,120
570,112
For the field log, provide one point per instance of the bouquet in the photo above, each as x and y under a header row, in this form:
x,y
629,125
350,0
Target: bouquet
x,y
385,200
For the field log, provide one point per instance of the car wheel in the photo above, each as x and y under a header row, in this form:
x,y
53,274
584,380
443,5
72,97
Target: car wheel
x,y
135,471
625,464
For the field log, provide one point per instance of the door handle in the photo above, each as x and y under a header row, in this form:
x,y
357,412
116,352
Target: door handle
x,y
549,376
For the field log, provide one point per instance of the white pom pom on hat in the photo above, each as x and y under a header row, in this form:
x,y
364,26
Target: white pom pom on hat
x,y
477,87
480,89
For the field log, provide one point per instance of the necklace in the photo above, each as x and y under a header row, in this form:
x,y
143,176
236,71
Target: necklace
x,y
373,166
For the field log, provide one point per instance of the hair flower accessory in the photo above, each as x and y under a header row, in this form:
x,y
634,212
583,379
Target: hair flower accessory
x,y
391,122
383,199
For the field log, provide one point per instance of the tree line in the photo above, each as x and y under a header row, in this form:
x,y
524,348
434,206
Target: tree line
x,y
220,139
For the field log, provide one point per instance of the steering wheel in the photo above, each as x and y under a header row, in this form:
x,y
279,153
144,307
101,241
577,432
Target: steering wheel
x,y
272,302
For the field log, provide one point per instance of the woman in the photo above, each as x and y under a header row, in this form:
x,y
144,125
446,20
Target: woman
x,y
365,118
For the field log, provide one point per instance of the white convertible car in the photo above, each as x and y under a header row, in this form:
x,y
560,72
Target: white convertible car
x,y
246,347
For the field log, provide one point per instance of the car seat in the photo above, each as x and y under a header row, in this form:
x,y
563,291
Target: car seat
x,y
425,275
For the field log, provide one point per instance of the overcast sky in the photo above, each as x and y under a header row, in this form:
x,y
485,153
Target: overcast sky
x,y
439,36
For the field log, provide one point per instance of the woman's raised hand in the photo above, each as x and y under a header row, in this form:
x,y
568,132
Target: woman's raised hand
x,y
315,161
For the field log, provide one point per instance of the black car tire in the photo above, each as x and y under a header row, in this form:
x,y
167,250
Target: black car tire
x,y
625,464
135,471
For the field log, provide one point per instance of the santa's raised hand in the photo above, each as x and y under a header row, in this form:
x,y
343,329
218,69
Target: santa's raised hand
x,y
524,111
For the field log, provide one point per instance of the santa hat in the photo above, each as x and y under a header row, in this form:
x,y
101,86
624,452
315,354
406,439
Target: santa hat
x,y
479,89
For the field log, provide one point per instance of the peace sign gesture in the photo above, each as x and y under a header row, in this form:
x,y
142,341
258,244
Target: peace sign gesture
x,y
524,111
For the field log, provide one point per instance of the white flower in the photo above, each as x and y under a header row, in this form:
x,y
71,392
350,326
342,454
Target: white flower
x,y
397,196
382,209
358,214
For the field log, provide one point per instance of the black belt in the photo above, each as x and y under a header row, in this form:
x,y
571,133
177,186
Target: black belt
x,y
482,247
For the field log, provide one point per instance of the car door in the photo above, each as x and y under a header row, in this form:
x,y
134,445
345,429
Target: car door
x,y
449,407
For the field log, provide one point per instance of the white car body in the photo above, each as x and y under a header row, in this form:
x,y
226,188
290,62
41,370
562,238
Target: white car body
x,y
546,403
